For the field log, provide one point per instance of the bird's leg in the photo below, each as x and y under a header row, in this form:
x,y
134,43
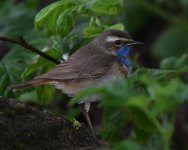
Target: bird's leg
x,y
85,109
130,69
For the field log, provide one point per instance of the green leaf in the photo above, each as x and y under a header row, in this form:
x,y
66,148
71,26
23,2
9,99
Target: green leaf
x,y
164,100
183,93
118,26
67,20
141,101
48,17
143,118
112,7
4,82
144,121
141,135
95,22
173,63
10,75
91,32
40,65
112,114
11,19
127,144
86,93
45,94
27,96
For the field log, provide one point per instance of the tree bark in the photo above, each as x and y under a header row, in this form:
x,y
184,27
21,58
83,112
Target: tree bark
x,y
25,127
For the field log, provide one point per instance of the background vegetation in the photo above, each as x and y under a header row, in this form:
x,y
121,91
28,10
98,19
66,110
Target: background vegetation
x,y
142,112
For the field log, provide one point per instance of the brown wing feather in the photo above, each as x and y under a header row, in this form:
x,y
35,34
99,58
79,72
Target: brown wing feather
x,y
92,67
87,62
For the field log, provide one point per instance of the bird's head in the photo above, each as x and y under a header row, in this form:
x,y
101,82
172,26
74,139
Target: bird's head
x,y
117,43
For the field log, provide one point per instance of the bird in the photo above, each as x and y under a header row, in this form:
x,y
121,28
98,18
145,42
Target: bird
x,y
98,63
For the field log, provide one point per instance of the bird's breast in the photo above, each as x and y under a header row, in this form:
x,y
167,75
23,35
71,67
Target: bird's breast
x,y
118,72
123,70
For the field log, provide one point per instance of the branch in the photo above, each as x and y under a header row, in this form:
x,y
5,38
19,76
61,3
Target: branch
x,y
22,43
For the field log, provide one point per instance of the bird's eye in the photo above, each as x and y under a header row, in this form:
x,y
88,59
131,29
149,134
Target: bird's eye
x,y
118,42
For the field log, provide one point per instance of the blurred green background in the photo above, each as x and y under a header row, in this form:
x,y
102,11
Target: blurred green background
x,y
64,26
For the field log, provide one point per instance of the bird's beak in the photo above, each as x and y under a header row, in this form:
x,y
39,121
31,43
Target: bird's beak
x,y
125,50
135,43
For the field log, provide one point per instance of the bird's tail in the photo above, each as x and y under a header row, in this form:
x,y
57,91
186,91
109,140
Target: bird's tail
x,y
27,84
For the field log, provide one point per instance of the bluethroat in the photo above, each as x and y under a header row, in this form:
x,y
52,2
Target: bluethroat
x,y
98,63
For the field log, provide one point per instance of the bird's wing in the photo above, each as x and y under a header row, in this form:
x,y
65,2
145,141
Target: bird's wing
x,y
92,67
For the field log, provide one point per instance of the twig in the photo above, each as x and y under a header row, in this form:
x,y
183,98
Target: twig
x,y
22,43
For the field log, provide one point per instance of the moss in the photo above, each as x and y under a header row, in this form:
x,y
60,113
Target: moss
x,y
76,124
19,107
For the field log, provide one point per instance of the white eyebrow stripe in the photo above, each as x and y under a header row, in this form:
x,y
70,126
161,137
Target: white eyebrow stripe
x,y
112,38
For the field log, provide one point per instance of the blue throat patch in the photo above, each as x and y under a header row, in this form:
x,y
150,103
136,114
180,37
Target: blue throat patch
x,y
122,53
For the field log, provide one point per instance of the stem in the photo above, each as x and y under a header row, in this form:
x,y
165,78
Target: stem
x,y
168,129
22,43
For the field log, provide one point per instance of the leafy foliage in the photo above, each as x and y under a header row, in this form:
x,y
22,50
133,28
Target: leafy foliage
x,y
148,99
13,17
60,17
57,18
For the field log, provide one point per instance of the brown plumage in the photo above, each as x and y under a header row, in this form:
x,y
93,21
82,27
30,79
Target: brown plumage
x,y
94,64
85,65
